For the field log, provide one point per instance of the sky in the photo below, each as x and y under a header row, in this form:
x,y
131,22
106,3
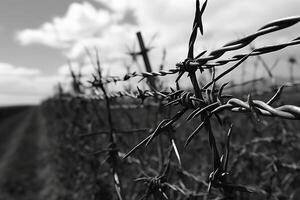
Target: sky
x,y
38,38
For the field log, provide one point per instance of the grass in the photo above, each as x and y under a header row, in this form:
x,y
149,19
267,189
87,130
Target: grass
x,y
205,144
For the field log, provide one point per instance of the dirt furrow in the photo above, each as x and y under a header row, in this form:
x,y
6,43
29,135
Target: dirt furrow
x,y
20,164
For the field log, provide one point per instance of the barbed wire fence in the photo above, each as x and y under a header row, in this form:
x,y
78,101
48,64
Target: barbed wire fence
x,y
203,104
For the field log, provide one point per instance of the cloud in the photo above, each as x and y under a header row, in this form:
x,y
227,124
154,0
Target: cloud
x,y
85,27
24,90
80,21
113,24
24,85
7,71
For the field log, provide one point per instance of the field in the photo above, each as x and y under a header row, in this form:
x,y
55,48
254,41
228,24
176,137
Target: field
x,y
73,167
22,155
164,141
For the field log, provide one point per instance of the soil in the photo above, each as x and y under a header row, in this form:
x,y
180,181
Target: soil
x,y
22,155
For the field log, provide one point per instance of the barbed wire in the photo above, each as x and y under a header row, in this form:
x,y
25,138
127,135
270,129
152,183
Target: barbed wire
x,y
138,94
236,105
203,62
211,103
142,75
240,43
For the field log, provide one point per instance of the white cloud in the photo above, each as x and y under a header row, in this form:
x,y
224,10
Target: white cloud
x,y
83,25
80,21
113,26
7,71
24,85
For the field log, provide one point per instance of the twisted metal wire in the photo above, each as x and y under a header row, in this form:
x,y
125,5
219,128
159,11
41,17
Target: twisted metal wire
x,y
211,102
142,74
236,105
256,52
240,43
119,94
262,108
204,62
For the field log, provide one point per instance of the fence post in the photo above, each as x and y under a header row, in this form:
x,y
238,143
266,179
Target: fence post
x,y
143,52
292,62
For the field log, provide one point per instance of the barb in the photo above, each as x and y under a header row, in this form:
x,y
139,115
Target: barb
x,y
205,62
113,152
215,105
143,75
285,111
164,126
240,43
138,94
205,102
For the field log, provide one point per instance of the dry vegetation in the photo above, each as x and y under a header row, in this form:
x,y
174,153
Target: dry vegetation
x,y
171,143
